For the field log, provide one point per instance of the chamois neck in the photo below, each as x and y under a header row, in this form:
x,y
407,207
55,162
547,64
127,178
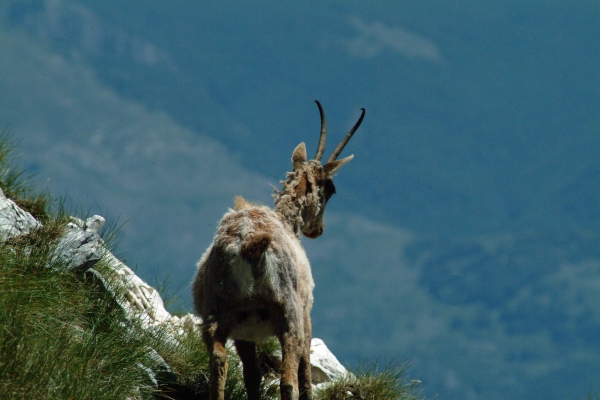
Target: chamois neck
x,y
290,209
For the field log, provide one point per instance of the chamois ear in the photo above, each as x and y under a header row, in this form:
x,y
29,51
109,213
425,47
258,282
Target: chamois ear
x,y
299,156
332,167
239,202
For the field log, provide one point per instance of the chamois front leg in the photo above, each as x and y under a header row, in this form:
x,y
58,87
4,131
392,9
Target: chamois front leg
x,y
252,375
214,339
304,372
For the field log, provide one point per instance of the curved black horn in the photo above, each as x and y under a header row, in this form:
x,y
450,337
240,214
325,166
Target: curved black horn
x,y
342,144
323,136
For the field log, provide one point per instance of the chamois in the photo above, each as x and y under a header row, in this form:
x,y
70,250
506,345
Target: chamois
x,y
254,281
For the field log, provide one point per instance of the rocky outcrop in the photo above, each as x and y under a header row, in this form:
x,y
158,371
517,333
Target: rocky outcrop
x,y
13,220
80,248
325,366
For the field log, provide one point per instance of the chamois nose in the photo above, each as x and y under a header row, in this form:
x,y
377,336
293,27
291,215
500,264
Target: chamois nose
x,y
315,233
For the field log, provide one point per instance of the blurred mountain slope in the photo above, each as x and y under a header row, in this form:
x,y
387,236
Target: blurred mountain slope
x,y
485,135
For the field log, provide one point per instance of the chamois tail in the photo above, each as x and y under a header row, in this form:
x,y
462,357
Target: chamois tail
x,y
253,247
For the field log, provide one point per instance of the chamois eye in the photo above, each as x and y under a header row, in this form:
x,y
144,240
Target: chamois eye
x,y
328,188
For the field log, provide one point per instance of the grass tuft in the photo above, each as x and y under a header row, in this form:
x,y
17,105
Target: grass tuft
x,y
368,382
18,186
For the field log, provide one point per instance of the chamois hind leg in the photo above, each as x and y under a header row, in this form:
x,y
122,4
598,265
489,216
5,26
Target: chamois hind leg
x,y
252,375
304,372
289,365
214,339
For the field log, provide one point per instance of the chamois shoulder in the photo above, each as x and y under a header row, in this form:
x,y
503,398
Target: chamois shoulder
x,y
245,219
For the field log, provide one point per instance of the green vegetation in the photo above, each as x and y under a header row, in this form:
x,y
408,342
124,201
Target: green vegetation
x,y
367,383
17,186
63,337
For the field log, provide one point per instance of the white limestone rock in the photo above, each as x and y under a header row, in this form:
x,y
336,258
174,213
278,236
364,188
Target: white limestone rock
x,y
325,367
13,220
144,301
80,247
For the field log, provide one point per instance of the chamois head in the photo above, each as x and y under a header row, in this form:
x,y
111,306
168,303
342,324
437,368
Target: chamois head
x,y
309,186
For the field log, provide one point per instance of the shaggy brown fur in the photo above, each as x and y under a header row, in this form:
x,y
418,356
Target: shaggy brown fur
x,y
254,281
